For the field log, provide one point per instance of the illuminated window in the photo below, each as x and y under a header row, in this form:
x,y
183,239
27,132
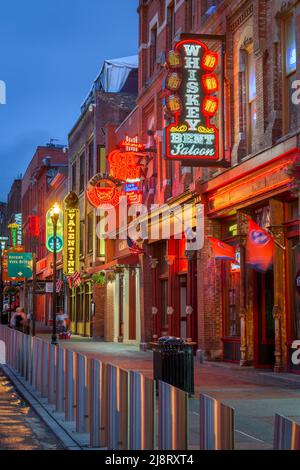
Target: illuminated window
x,y
290,64
100,245
101,159
81,238
153,49
90,229
251,98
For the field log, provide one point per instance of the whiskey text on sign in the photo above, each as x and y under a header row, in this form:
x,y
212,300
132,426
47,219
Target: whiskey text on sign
x,y
191,99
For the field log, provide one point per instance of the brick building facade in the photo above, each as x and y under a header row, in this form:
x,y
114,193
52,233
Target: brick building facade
x,y
90,139
241,316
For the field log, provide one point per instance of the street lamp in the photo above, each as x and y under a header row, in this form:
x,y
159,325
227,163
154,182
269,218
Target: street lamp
x,y
54,214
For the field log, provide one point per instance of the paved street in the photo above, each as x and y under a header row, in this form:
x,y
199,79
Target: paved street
x,y
20,427
255,395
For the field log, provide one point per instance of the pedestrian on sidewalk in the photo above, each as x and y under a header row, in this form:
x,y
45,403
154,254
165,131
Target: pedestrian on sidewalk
x,y
19,320
4,315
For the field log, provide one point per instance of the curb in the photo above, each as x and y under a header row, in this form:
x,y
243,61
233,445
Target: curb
x,y
67,442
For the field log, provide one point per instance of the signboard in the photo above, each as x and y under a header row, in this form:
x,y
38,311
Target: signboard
x,y
192,101
72,241
20,265
18,221
49,233
102,190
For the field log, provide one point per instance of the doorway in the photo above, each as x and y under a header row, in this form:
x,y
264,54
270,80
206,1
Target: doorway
x,y
264,331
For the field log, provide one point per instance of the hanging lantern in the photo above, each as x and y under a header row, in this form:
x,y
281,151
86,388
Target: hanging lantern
x,y
210,61
174,104
173,81
210,83
174,59
210,106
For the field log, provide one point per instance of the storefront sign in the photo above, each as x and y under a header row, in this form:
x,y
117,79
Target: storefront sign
x,y
49,233
102,190
72,241
191,99
125,165
18,221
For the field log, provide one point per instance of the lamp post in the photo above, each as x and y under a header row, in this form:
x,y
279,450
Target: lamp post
x,y
54,218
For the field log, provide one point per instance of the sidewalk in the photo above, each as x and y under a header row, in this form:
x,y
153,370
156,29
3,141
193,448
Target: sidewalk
x,y
255,395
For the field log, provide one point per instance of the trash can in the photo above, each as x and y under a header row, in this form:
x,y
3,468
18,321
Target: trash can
x,y
173,362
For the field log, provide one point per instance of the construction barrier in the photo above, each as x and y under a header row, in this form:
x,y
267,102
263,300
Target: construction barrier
x,y
172,418
216,425
286,434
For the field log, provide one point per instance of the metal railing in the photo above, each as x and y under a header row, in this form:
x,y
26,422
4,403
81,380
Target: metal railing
x,y
118,408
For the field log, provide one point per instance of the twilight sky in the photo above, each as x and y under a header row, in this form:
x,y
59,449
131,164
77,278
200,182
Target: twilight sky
x,y
50,53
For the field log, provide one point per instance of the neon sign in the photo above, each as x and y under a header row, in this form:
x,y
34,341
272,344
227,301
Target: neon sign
x,y
191,99
102,190
125,166
59,233
72,244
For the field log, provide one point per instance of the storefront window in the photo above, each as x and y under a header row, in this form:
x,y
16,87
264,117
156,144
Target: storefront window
x,y
88,301
79,303
232,299
73,306
294,288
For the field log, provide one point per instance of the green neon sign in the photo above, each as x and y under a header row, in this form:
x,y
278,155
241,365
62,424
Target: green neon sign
x,y
50,235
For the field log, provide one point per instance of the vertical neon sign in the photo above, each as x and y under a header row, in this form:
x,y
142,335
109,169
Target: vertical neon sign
x,y
192,100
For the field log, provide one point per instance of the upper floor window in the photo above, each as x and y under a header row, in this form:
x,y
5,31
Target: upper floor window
x,y
74,177
81,176
290,65
170,24
190,14
101,165
90,231
91,159
251,97
153,49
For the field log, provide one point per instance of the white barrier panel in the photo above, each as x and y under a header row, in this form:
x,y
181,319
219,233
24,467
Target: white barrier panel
x,y
60,379
52,374
70,385
142,412
98,401
45,368
118,408
34,363
216,425
39,377
172,418
82,395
